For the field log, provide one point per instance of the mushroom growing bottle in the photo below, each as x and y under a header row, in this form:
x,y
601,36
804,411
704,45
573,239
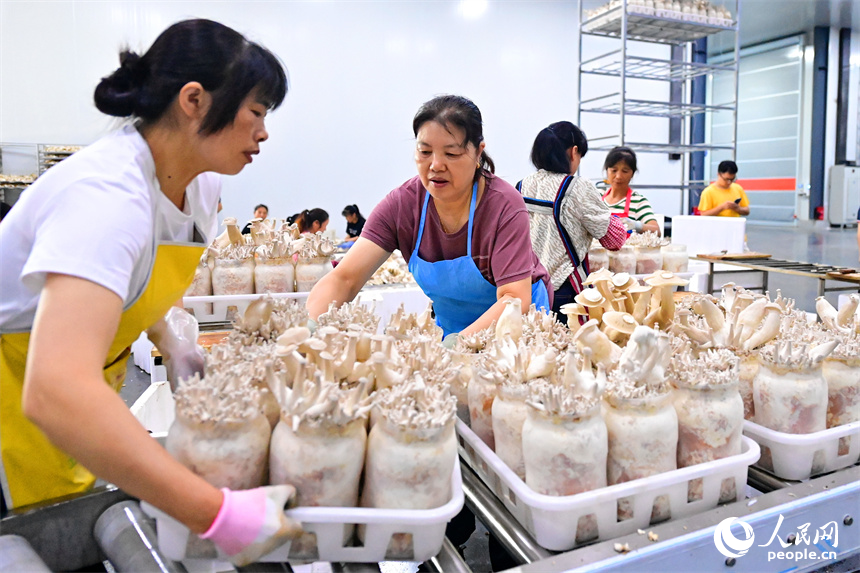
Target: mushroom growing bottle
x,y
234,271
411,452
314,261
642,424
482,392
509,415
319,444
598,257
841,371
623,260
274,275
219,432
790,392
201,284
565,447
710,412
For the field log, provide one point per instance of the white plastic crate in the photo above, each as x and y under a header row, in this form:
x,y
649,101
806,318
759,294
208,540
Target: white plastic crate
x,y
329,524
387,299
553,521
218,308
801,456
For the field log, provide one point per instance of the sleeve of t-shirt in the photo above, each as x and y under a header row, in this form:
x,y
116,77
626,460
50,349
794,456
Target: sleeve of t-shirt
x,y
512,258
595,214
644,212
92,230
381,225
745,202
705,200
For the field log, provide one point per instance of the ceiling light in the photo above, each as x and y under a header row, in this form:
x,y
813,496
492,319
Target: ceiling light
x,y
473,9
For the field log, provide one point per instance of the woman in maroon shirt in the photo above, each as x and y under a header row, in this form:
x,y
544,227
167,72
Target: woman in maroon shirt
x,y
463,231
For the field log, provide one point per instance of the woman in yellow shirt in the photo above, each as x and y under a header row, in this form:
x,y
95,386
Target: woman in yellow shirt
x,y
724,197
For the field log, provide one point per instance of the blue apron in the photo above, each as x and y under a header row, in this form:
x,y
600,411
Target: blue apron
x,y
459,291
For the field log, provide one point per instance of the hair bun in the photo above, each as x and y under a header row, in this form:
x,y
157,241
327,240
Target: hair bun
x,y
118,94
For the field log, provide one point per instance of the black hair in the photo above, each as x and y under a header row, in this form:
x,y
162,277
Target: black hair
x,y
225,63
308,217
624,154
549,151
294,218
461,112
352,210
728,166
266,207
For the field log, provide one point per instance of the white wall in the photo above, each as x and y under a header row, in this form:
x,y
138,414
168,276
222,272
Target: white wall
x,y
358,72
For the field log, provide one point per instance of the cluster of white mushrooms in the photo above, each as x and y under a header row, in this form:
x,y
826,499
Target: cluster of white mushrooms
x,y
393,271
270,259
322,387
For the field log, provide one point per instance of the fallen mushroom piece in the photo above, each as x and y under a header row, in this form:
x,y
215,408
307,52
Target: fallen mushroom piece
x,y
622,548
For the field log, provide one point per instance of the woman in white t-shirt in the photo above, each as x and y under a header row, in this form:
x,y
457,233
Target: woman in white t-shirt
x,y
98,249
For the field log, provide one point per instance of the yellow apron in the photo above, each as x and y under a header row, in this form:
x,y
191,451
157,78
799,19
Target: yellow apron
x,y
34,469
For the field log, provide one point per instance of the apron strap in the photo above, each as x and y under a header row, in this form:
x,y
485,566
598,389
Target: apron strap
x,y
421,221
540,206
472,218
556,214
626,212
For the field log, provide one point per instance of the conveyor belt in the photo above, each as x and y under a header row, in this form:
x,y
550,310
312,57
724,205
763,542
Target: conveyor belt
x,y
688,544
62,533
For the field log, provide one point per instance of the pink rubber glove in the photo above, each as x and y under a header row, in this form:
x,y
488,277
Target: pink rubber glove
x,y
252,523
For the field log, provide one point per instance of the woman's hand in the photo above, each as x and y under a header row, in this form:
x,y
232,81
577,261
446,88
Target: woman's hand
x,y
251,523
521,289
66,396
343,283
175,336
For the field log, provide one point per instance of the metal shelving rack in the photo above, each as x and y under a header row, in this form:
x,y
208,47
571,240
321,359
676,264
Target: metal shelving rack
x,y
626,21
50,155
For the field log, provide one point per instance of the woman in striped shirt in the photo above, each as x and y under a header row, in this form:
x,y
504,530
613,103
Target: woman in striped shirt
x,y
633,208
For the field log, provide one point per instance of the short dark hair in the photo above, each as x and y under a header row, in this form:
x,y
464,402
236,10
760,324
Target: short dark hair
x,y
461,112
310,216
728,166
351,210
221,59
266,207
621,153
549,151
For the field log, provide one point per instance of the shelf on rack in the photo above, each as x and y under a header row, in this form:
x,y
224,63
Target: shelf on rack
x,y
649,68
666,147
650,108
661,26
50,155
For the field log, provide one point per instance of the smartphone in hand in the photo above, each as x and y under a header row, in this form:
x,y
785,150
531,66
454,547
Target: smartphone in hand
x,y
738,201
